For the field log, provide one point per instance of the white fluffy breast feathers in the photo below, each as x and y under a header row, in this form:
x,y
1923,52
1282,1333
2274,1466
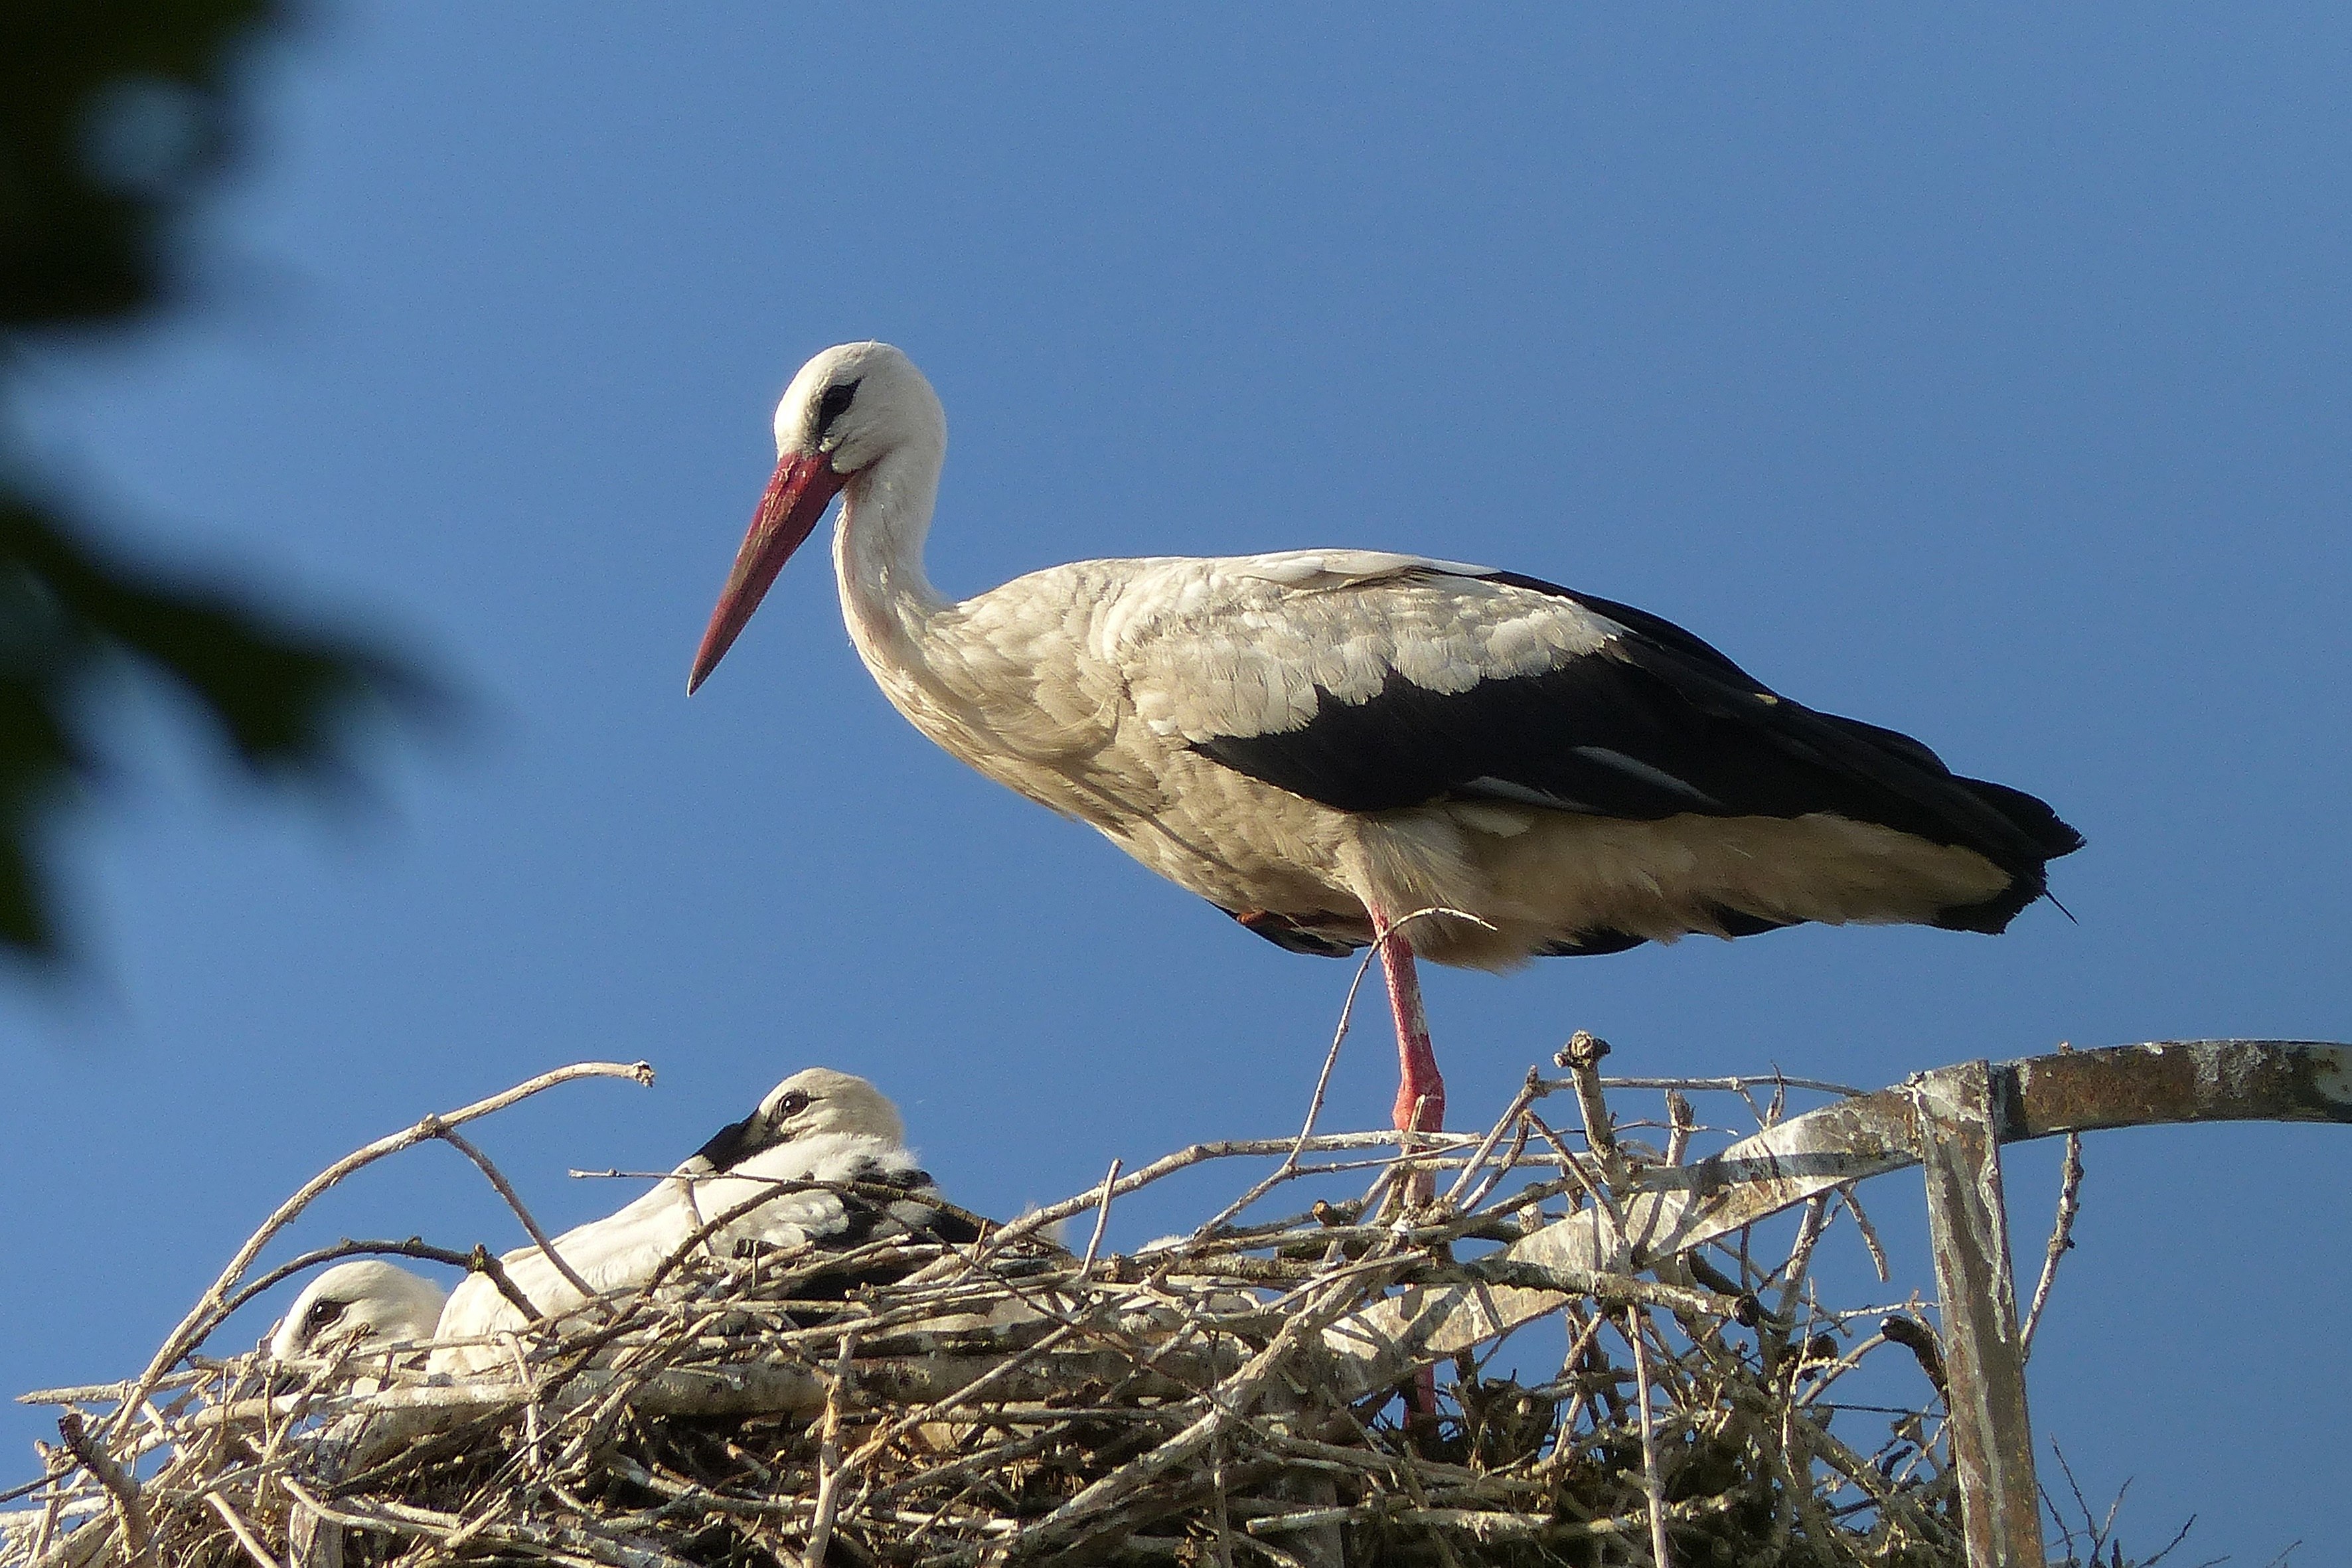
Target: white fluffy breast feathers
x,y
1251,645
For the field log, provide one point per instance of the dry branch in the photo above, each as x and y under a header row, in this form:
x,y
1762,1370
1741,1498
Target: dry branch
x,y
213,1308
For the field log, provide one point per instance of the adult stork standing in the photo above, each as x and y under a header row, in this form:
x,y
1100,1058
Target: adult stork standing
x,y
1326,743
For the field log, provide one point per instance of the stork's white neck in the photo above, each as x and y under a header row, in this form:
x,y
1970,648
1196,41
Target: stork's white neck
x,y
877,554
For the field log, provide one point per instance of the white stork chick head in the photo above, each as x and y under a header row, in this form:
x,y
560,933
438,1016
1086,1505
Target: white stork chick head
x,y
361,1303
848,412
812,1102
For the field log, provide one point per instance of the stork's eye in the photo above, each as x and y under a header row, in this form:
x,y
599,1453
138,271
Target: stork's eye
x,y
834,405
322,1312
791,1104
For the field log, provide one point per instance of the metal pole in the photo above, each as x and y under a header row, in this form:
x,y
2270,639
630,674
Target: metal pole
x,y
1992,1439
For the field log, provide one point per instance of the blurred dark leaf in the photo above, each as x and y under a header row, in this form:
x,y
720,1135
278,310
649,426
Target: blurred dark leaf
x,y
85,210
114,117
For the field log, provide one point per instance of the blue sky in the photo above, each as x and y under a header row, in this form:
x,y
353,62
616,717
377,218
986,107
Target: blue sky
x,y
1985,378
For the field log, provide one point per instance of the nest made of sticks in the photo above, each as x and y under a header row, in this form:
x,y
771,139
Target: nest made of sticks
x,y
1012,1400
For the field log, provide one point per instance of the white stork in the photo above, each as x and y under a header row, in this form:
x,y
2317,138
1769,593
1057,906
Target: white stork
x,y
1323,743
359,1304
815,1132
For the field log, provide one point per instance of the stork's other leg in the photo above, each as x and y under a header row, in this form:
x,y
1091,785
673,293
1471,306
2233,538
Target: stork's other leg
x,y
1421,1089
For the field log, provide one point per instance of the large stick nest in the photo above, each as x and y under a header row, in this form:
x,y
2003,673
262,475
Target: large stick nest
x,y
922,1403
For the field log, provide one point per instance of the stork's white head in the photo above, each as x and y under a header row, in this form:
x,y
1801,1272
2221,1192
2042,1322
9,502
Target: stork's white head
x,y
856,403
358,1303
848,411
812,1102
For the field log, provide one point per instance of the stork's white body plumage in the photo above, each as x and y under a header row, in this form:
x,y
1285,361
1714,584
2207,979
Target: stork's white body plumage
x,y
1094,688
777,1173
1326,743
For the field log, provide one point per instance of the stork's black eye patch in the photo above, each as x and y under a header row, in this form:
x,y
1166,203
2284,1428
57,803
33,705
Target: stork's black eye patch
x,y
793,1104
834,405
323,1310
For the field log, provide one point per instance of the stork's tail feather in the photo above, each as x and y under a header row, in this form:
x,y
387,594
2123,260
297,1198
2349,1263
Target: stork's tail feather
x,y
2050,835
2031,815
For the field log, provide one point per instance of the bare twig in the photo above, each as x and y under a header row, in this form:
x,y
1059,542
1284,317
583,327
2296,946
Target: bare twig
x,y
449,1135
828,1487
1102,1220
1314,1104
1653,1483
1183,1160
209,1311
1869,1232
137,1528
241,1531
477,1261
1680,1121
1722,1085
1920,1341
2061,1236
1581,1056
1528,1090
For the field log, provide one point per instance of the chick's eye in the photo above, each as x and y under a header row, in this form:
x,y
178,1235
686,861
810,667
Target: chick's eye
x,y
793,1104
832,405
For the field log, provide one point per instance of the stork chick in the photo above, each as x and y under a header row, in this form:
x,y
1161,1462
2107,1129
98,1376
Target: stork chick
x,y
359,1305
816,1131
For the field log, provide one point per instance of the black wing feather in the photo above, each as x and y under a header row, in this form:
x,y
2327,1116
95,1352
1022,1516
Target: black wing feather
x,y
1656,724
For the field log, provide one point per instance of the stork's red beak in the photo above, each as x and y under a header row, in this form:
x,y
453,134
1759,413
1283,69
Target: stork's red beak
x,y
803,487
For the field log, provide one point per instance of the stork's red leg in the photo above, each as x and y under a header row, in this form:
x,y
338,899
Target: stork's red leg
x,y
1421,1090
1420,1108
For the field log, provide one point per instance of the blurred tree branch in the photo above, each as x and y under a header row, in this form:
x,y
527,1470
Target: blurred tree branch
x,y
115,118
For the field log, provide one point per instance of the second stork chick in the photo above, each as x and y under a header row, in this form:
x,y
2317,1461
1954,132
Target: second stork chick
x,y
817,1131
